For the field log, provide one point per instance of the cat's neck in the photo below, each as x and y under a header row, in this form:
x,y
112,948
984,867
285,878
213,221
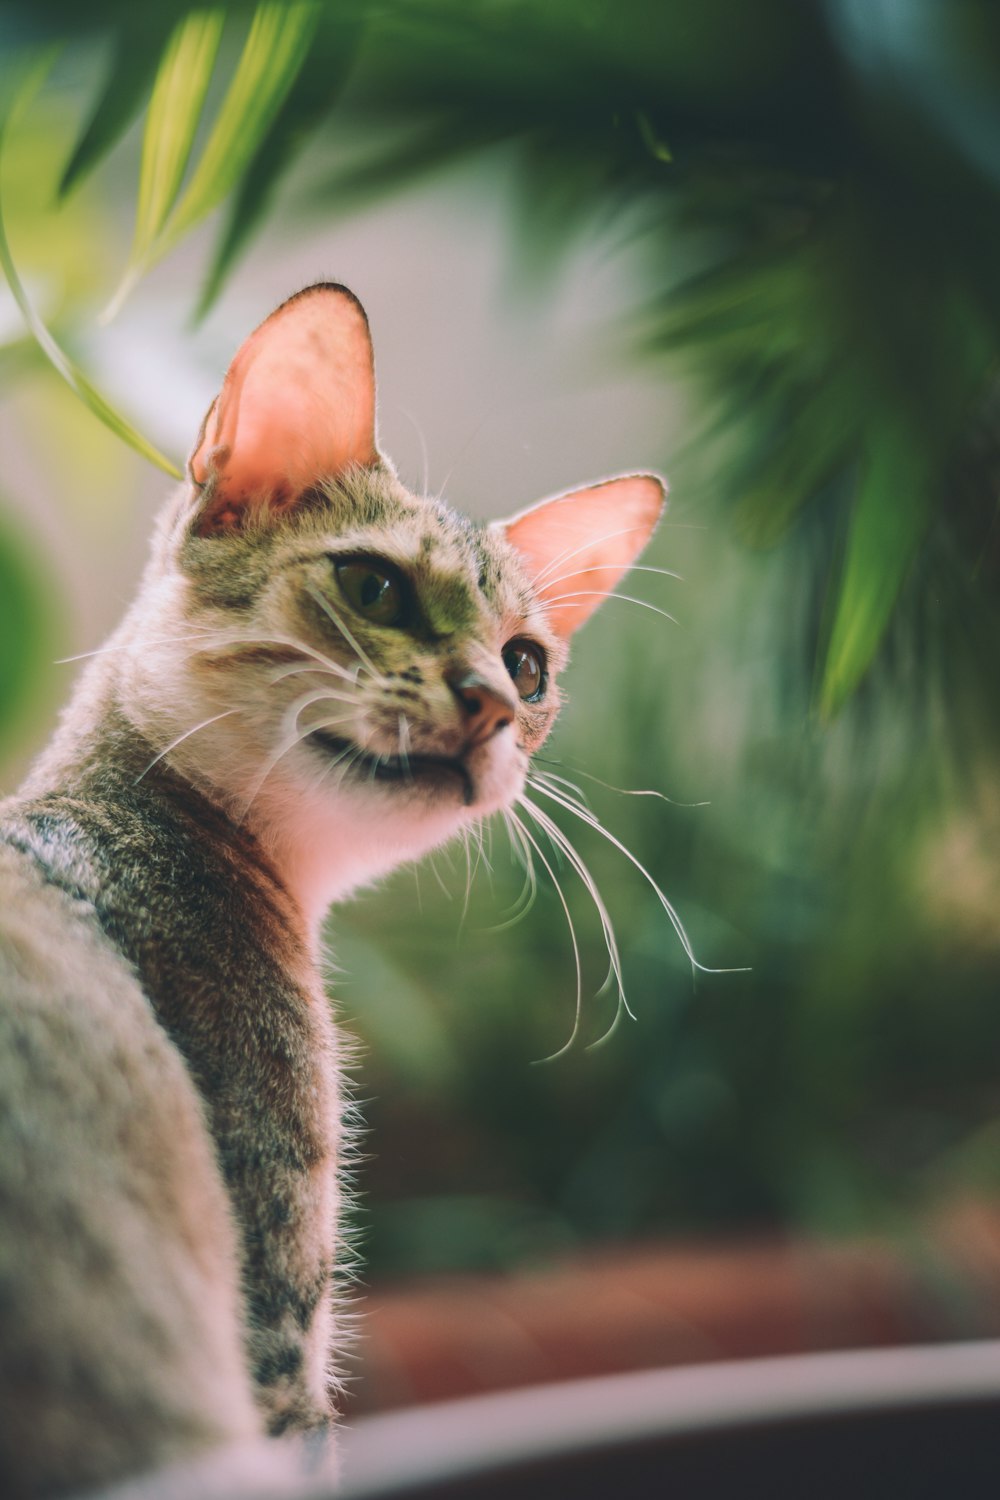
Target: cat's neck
x,y
319,850
101,771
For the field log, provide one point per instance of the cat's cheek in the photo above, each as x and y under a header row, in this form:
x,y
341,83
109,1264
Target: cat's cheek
x,y
537,727
497,772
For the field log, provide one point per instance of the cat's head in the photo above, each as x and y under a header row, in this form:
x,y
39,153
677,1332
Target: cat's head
x,y
370,671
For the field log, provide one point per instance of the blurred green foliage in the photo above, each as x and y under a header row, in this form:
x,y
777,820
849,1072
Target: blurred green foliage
x,y
847,1083
26,632
832,160
812,191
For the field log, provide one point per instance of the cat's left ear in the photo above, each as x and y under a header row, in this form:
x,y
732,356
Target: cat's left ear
x,y
577,546
297,406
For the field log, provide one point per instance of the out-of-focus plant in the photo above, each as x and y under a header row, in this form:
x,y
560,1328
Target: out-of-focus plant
x,y
273,55
26,632
75,378
835,164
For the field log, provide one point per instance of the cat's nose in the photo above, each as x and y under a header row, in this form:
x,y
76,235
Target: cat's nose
x,y
486,710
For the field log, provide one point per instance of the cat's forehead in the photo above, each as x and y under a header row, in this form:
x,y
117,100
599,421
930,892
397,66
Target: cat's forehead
x,y
445,552
425,530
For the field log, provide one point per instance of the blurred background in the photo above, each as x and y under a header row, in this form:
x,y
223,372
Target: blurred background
x,y
754,247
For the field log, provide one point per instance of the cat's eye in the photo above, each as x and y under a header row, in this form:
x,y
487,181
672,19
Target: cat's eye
x,y
525,663
373,589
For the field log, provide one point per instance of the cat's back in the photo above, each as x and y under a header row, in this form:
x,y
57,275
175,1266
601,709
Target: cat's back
x,y
119,1287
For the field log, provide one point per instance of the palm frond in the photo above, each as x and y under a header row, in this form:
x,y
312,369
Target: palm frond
x,y
172,120
274,52
308,100
824,179
138,48
74,377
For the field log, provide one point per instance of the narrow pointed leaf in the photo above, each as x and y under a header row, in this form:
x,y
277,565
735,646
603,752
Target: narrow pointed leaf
x,y
312,96
171,123
73,376
137,51
890,517
174,112
275,50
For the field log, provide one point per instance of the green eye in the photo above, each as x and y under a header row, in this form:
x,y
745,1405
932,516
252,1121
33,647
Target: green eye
x,y
372,590
525,663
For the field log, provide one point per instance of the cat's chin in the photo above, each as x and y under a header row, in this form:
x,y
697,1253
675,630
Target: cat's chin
x,y
483,780
447,775
331,835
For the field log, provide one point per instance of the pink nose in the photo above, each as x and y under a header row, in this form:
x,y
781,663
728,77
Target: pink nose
x,y
486,711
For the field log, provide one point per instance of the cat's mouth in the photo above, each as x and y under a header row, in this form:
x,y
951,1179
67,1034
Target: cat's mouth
x,y
425,771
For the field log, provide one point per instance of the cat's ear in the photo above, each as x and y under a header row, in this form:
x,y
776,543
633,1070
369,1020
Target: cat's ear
x,y
297,406
577,546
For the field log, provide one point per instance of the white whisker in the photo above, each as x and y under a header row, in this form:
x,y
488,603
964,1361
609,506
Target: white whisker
x,y
477,429
594,822
561,841
332,669
322,661
342,762
529,890
182,737
290,718
564,781
622,791
166,640
476,831
333,615
544,599
551,583
472,835
526,834
442,887
422,440
468,879
292,739
404,742
211,640
571,552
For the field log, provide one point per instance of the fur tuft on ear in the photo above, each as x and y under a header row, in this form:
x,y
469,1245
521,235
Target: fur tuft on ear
x,y
297,406
577,546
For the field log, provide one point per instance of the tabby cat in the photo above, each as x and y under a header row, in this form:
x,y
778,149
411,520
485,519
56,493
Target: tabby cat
x,y
322,676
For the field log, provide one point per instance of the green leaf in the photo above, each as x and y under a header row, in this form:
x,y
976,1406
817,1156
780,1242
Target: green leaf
x,y
275,50
137,50
420,148
73,376
171,122
25,630
807,439
313,95
890,516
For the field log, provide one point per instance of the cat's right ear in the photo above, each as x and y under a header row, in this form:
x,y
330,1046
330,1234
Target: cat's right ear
x,y
576,547
297,406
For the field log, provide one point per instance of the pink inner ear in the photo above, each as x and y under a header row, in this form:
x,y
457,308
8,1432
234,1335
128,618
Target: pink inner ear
x,y
579,545
297,406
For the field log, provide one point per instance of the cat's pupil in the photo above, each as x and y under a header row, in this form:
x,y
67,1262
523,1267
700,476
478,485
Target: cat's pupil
x,y
372,589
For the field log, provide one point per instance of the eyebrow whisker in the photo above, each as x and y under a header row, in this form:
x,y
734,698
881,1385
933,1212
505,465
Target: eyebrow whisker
x,y
334,616
605,594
